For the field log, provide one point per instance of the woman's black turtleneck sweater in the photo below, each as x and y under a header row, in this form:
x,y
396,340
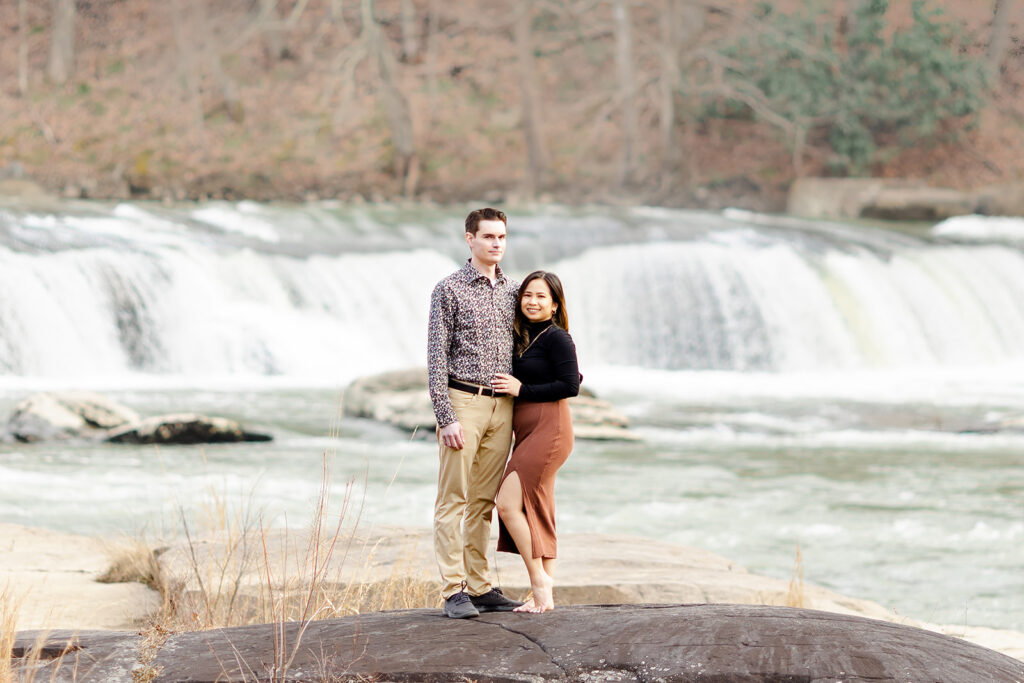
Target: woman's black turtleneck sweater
x,y
548,368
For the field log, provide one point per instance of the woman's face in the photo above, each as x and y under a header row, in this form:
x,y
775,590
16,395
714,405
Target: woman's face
x,y
536,303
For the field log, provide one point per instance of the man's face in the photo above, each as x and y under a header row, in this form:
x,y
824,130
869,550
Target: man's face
x,y
488,244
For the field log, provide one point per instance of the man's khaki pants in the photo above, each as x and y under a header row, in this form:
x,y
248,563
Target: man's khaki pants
x,y
466,485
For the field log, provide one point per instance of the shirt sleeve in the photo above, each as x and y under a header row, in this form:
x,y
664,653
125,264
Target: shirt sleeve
x,y
439,339
561,354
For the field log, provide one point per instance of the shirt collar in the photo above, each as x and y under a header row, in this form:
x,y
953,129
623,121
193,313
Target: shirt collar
x,y
471,273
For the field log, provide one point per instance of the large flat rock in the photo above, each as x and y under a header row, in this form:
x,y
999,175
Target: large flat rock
x,y
595,643
75,656
591,569
51,576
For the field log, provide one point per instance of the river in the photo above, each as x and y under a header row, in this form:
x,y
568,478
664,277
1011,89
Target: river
x,y
796,383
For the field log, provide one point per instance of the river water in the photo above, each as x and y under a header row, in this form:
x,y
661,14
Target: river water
x,y
795,383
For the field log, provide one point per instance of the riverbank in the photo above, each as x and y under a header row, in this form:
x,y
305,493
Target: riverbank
x,y
222,102
52,578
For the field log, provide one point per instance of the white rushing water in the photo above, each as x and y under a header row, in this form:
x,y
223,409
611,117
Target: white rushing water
x,y
794,382
131,291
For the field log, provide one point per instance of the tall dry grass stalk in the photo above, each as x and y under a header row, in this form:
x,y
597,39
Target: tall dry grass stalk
x,y
238,572
8,624
795,596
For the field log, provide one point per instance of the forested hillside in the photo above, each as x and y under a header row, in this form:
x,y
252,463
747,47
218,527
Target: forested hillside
x,y
678,102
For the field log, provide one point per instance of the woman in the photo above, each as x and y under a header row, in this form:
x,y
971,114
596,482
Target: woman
x,y
544,375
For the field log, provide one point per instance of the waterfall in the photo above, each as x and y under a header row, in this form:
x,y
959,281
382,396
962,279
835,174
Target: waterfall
x,y
738,303
306,292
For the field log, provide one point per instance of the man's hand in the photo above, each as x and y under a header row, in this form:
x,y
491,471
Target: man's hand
x,y
451,436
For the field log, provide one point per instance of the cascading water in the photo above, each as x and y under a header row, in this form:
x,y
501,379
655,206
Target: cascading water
x,y
229,290
732,302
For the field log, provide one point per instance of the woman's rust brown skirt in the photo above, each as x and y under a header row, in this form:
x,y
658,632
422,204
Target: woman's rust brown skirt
x,y
543,441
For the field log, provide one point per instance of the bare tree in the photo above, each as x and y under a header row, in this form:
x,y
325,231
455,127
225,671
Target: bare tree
x,y
410,32
396,106
627,89
23,47
853,8
999,38
187,69
535,152
273,40
668,51
62,41
430,57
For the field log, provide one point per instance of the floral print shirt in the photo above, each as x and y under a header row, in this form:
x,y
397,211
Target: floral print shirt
x,y
469,336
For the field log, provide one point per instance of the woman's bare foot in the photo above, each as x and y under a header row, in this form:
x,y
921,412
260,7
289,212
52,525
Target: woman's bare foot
x,y
527,606
543,595
542,599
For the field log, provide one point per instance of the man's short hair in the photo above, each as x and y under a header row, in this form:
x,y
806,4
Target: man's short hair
x,y
488,214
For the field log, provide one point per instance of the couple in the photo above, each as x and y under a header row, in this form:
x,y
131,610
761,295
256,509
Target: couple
x,y
501,361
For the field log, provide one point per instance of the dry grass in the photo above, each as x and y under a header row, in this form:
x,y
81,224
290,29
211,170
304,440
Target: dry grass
x,y
238,573
132,560
8,623
795,596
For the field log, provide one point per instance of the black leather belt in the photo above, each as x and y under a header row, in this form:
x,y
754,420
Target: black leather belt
x,y
473,388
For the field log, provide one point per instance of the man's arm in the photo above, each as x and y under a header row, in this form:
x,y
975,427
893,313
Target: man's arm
x,y
439,339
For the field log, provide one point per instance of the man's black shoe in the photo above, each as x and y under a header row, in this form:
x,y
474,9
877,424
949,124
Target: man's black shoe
x,y
493,601
459,606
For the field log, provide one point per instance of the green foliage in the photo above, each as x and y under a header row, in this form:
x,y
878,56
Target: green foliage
x,y
860,89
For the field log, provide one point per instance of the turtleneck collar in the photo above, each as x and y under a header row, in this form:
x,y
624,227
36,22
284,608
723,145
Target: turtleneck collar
x,y
539,326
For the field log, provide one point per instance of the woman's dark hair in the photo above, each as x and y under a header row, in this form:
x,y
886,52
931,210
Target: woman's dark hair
x,y
560,317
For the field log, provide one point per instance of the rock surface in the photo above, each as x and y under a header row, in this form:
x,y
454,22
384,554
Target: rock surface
x,y
184,428
400,398
1014,425
67,415
592,569
917,204
52,579
85,415
76,656
883,198
597,643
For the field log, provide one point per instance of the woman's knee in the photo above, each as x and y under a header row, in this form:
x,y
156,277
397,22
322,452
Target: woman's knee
x,y
506,507
509,500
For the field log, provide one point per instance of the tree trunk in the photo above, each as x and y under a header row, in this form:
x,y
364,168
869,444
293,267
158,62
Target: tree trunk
x,y
410,33
535,153
852,8
668,50
627,89
689,18
62,42
23,47
187,70
999,39
396,106
431,62
268,26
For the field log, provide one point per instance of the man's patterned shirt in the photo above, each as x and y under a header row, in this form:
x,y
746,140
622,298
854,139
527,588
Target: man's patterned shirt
x,y
470,333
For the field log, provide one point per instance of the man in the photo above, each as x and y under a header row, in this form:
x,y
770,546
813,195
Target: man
x,y
469,340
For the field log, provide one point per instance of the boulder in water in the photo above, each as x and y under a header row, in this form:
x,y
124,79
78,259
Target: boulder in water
x,y
400,398
1012,425
184,428
67,415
